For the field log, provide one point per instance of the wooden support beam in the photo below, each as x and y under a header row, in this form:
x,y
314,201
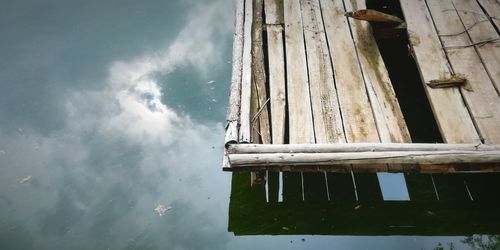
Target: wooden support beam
x,y
356,147
395,168
387,157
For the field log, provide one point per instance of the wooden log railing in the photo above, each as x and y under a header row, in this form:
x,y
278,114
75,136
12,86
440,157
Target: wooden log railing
x,y
258,156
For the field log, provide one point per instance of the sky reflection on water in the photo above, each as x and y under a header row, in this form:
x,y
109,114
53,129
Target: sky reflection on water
x,y
115,107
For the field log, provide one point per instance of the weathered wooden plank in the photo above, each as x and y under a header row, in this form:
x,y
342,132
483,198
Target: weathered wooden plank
x,y
356,147
391,124
452,116
254,108
483,101
233,112
277,87
492,7
276,61
299,101
324,102
358,120
246,75
274,11
387,157
402,168
259,72
470,14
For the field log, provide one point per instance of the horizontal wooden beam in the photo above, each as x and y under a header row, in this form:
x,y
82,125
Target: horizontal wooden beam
x,y
355,147
396,168
386,157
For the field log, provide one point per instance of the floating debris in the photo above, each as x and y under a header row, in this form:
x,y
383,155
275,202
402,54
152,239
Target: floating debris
x,y
25,179
161,210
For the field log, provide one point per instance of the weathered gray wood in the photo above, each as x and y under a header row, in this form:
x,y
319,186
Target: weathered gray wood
x,y
387,157
299,102
358,120
254,108
388,116
233,112
324,102
483,101
246,76
277,87
452,116
231,135
356,147
470,14
259,71
395,168
492,7
274,11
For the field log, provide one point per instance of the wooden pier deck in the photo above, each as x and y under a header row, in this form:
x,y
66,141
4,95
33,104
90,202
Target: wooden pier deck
x,y
313,83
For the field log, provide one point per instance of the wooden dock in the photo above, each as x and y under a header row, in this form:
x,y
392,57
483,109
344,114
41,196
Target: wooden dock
x,y
312,82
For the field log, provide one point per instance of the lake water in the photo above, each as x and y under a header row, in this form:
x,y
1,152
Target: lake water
x,y
111,114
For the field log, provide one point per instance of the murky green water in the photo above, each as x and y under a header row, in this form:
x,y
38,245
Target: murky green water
x,y
111,113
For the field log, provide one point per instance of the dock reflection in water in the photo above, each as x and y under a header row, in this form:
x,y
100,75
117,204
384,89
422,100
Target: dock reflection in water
x,y
439,205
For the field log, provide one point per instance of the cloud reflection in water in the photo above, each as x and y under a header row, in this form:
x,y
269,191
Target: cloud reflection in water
x,y
96,181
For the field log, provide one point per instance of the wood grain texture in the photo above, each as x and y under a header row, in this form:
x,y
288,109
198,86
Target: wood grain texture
x,y
483,101
233,112
259,72
328,126
274,11
492,8
470,13
277,87
451,115
246,76
387,157
391,124
276,61
358,119
299,103
356,147
371,168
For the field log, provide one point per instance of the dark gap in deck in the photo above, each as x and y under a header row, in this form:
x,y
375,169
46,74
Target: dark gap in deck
x,y
286,140
405,77
266,70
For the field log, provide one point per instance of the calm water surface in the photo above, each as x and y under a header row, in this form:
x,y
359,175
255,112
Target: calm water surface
x,y
110,109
